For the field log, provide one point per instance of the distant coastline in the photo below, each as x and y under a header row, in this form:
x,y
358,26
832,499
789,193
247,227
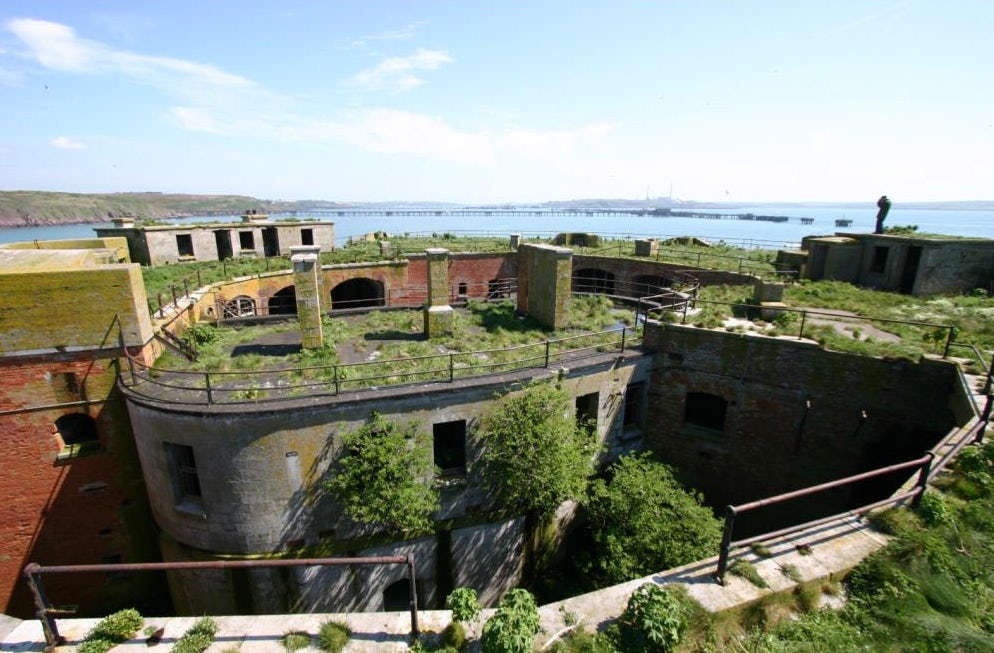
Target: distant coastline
x,y
42,208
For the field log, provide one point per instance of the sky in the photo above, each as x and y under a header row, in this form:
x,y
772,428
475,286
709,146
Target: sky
x,y
481,101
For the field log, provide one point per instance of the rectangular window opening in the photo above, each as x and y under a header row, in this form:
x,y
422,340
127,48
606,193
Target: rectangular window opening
x,y
449,445
246,240
184,243
633,405
879,259
183,470
306,236
587,407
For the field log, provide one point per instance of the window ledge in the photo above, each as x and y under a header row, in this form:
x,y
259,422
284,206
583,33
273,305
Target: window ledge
x,y
73,451
455,480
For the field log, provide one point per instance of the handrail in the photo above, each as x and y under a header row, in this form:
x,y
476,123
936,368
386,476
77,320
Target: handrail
x,y
46,613
450,367
929,465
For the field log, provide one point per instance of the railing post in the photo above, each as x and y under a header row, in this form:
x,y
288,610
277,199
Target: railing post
x,y
186,287
200,283
452,368
546,353
985,420
335,371
414,596
48,625
804,317
950,334
623,331
922,479
990,373
173,289
726,545
207,384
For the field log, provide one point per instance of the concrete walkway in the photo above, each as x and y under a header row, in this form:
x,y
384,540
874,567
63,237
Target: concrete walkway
x,y
822,552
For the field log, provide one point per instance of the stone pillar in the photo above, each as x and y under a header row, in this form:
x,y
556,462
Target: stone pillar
x,y
769,296
439,316
307,283
646,247
515,241
548,272
385,248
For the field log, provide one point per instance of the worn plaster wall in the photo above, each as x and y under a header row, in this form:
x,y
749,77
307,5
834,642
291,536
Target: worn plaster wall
x,y
261,472
796,415
955,267
45,310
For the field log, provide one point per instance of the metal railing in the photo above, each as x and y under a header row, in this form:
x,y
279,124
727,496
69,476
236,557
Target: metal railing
x,y
196,387
47,613
928,467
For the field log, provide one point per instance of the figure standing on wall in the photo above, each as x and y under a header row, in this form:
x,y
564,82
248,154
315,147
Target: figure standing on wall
x,y
884,205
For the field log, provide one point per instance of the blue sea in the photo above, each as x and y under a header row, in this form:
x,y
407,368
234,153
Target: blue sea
x,y
749,233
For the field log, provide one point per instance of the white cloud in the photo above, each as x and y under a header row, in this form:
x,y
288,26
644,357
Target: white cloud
x,y
398,73
403,34
66,143
57,47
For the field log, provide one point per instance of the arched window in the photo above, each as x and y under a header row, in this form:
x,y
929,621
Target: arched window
x,y
241,306
705,411
397,596
78,433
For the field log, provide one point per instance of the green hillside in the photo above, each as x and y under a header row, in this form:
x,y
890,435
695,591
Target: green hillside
x,y
28,208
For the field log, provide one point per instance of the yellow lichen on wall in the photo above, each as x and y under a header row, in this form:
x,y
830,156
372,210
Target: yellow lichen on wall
x,y
74,308
118,245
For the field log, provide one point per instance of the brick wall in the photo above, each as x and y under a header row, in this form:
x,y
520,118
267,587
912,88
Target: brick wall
x,y
83,510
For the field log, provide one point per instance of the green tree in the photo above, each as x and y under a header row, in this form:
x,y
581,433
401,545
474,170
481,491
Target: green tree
x,y
380,476
513,627
534,455
643,521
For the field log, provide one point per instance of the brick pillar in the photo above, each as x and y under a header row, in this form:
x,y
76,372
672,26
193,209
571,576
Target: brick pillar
x,y
307,283
439,317
548,271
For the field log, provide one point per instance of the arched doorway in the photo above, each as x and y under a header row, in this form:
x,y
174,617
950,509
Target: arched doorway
x,y
592,280
284,302
357,293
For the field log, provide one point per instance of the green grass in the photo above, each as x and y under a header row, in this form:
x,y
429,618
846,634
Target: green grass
x,y
387,347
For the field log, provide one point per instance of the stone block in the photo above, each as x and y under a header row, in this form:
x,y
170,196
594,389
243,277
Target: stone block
x,y
770,310
646,247
439,321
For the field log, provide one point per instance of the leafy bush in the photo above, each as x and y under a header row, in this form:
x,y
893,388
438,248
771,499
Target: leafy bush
x,y
513,627
333,636
111,631
379,476
463,603
644,521
198,638
535,457
655,619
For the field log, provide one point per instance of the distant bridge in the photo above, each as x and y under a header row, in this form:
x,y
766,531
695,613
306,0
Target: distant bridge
x,y
523,212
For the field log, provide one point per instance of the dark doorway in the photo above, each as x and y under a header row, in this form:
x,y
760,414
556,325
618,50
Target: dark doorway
x,y
592,280
910,273
449,447
284,302
357,293
222,237
270,242
397,596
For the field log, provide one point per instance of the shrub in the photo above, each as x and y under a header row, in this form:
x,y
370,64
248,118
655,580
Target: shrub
x,y
644,521
655,619
198,638
513,627
333,636
463,603
111,631
295,640
454,635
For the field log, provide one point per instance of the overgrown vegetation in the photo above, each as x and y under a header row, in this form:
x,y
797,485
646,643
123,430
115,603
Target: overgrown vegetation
x,y
534,455
643,520
295,640
198,638
382,477
333,636
464,604
111,631
513,626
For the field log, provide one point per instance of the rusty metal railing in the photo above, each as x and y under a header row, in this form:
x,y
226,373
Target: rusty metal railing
x,y
47,613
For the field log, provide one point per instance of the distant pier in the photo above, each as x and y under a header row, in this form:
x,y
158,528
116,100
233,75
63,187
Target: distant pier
x,y
525,212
